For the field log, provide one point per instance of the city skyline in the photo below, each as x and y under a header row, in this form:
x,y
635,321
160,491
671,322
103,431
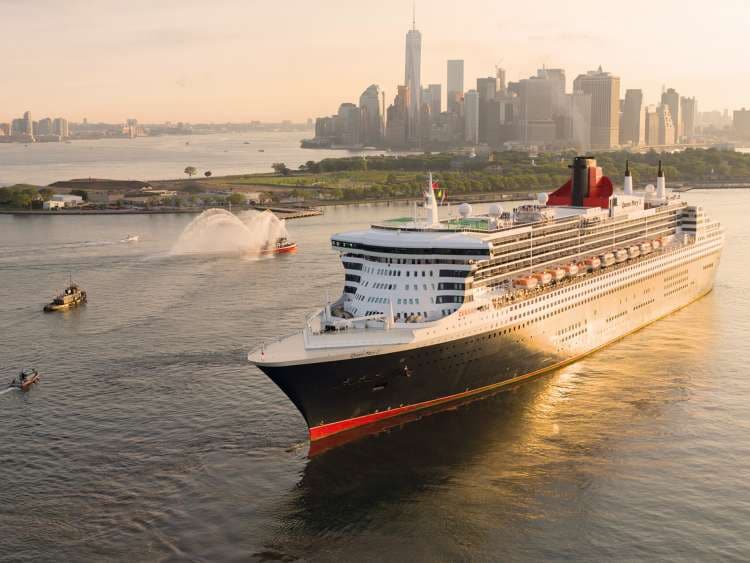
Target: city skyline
x,y
249,61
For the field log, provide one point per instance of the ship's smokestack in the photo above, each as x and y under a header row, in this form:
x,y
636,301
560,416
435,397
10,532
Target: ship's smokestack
x,y
627,184
580,189
661,184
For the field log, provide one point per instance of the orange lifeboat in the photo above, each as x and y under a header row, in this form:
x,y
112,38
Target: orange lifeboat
x,y
656,244
608,259
634,252
593,263
559,273
526,282
543,277
621,255
571,270
645,248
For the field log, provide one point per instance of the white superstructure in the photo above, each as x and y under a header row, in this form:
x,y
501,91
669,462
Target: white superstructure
x,y
563,279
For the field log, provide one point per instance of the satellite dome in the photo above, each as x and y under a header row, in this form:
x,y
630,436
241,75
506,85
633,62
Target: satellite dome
x,y
495,210
464,210
543,198
650,189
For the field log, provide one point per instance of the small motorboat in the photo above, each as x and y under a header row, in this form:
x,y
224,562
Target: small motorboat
x,y
25,379
131,238
281,246
71,297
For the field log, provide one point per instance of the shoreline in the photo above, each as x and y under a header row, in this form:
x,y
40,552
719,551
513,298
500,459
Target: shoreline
x,y
282,212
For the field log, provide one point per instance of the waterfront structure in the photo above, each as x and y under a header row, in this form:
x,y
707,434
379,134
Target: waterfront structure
x,y
455,88
689,115
439,309
372,122
604,90
471,117
671,99
632,128
412,80
741,123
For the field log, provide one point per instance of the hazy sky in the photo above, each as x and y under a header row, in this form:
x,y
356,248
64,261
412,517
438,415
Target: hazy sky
x,y
293,59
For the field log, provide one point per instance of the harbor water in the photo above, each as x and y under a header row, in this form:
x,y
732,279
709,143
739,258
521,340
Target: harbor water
x,y
150,437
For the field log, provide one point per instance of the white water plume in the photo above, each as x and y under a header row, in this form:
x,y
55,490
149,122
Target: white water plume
x,y
217,231
8,390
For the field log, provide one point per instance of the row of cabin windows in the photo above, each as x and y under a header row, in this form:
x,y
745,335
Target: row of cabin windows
x,y
382,260
394,250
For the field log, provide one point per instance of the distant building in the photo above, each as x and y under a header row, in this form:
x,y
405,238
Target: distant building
x,y
632,129
489,112
28,125
500,76
436,102
44,127
543,107
455,87
471,117
741,123
412,80
671,99
577,130
605,106
68,200
60,127
650,126
397,122
689,113
667,129
372,122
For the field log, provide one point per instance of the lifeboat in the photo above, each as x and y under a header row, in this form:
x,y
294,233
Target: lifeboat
x,y
645,248
526,282
571,270
621,255
593,263
608,259
634,252
656,244
559,273
543,277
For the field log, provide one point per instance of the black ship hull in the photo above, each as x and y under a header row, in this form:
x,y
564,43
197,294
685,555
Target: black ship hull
x,y
345,394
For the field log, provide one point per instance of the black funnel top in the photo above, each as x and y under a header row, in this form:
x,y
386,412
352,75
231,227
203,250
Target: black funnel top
x,y
661,172
580,190
627,168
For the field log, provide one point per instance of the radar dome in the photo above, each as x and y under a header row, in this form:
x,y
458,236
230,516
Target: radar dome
x,y
495,210
650,189
464,210
542,198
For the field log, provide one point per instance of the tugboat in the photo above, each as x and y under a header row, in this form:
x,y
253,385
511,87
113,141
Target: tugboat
x,y
281,246
73,296
25,379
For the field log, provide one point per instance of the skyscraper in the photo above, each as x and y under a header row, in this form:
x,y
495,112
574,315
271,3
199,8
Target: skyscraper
x,y
741,123
500,75
413,79
689,113
489,113
372,123
436,101
632,131
28,124
455,84
667,130
605,106
671,99
471,116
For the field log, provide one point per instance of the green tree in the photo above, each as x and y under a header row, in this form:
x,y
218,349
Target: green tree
x,y
46,193
83,193
237,198
207,173
190,170
281,168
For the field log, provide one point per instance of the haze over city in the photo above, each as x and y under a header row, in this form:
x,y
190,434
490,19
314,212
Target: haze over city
x,y
295,60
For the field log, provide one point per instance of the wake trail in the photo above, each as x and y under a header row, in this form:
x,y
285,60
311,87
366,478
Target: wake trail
x,y
8,390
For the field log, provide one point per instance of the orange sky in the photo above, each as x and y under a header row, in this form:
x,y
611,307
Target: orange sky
x,y
240,60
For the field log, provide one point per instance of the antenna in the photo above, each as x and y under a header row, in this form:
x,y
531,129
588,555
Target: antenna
x,y
414,14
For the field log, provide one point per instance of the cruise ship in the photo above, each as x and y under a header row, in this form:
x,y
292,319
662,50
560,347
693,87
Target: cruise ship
x,y
435,310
